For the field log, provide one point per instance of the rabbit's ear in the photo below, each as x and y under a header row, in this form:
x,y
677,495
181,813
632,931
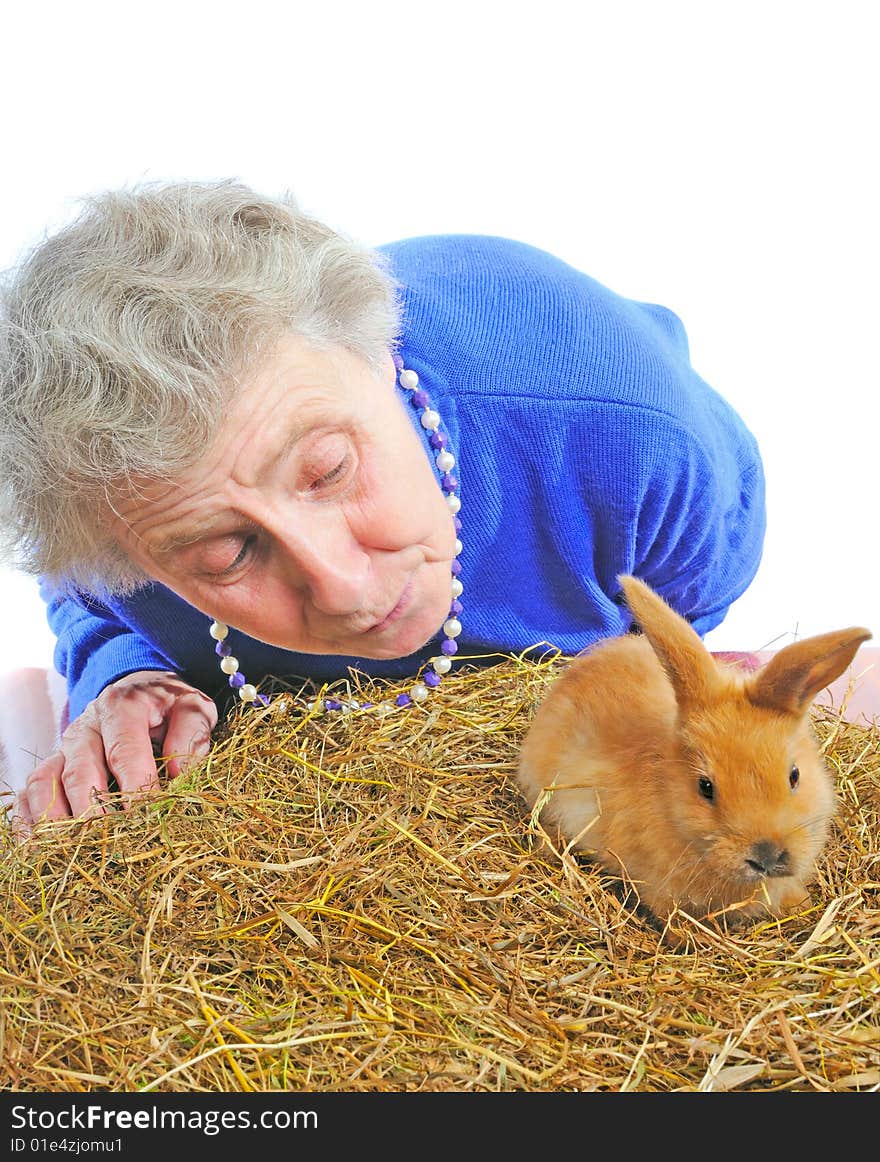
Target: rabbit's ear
x,y
689,666
795,675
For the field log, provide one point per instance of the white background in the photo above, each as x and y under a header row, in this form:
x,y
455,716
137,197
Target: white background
x,y
720,158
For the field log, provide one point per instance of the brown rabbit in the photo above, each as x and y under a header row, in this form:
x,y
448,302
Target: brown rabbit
x,y
701,784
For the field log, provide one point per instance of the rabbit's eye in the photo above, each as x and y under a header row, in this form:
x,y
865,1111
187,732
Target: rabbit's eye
x,y
707,789
794,777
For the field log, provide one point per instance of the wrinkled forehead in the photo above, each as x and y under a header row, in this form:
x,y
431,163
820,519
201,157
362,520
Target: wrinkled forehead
x,y
297,390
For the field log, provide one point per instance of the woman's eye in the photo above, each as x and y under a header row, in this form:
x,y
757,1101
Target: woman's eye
x,y
328,478
244,552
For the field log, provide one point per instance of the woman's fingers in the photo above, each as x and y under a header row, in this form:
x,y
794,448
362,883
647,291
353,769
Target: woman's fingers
x,y
142,707
126,751
181,720
111,742
75,780
84,774
188,735
43,795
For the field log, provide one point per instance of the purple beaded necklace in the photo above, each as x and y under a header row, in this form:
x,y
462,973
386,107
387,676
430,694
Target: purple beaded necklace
x,y
436,667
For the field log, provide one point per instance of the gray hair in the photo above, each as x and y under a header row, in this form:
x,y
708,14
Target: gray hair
x,y
124,335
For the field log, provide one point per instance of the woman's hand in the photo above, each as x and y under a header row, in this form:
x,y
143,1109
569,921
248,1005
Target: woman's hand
x,y
114,739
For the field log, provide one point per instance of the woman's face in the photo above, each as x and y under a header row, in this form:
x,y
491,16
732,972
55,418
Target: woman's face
x,y
314,522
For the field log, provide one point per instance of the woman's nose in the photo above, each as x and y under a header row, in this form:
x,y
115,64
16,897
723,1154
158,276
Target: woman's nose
x,y
323,558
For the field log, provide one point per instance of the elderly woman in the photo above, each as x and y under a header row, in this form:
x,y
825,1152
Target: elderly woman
x,y
236,445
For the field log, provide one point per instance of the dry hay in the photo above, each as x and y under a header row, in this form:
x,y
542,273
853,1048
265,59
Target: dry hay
x,y
352,903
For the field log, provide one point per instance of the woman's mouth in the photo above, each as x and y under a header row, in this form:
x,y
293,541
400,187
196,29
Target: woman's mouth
x,y
397,612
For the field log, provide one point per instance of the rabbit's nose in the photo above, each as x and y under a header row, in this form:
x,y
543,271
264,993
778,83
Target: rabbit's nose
x,y
769,859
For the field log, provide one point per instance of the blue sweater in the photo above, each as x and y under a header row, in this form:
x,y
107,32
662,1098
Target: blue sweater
x,y
586,446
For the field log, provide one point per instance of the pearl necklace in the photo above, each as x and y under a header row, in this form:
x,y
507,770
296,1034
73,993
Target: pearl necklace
x,y
437,666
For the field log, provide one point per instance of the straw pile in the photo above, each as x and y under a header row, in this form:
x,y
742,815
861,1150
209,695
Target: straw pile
x,y
348,903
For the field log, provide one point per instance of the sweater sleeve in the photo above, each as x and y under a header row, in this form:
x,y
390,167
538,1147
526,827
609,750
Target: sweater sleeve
x,y
689,482
93,647
700,529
